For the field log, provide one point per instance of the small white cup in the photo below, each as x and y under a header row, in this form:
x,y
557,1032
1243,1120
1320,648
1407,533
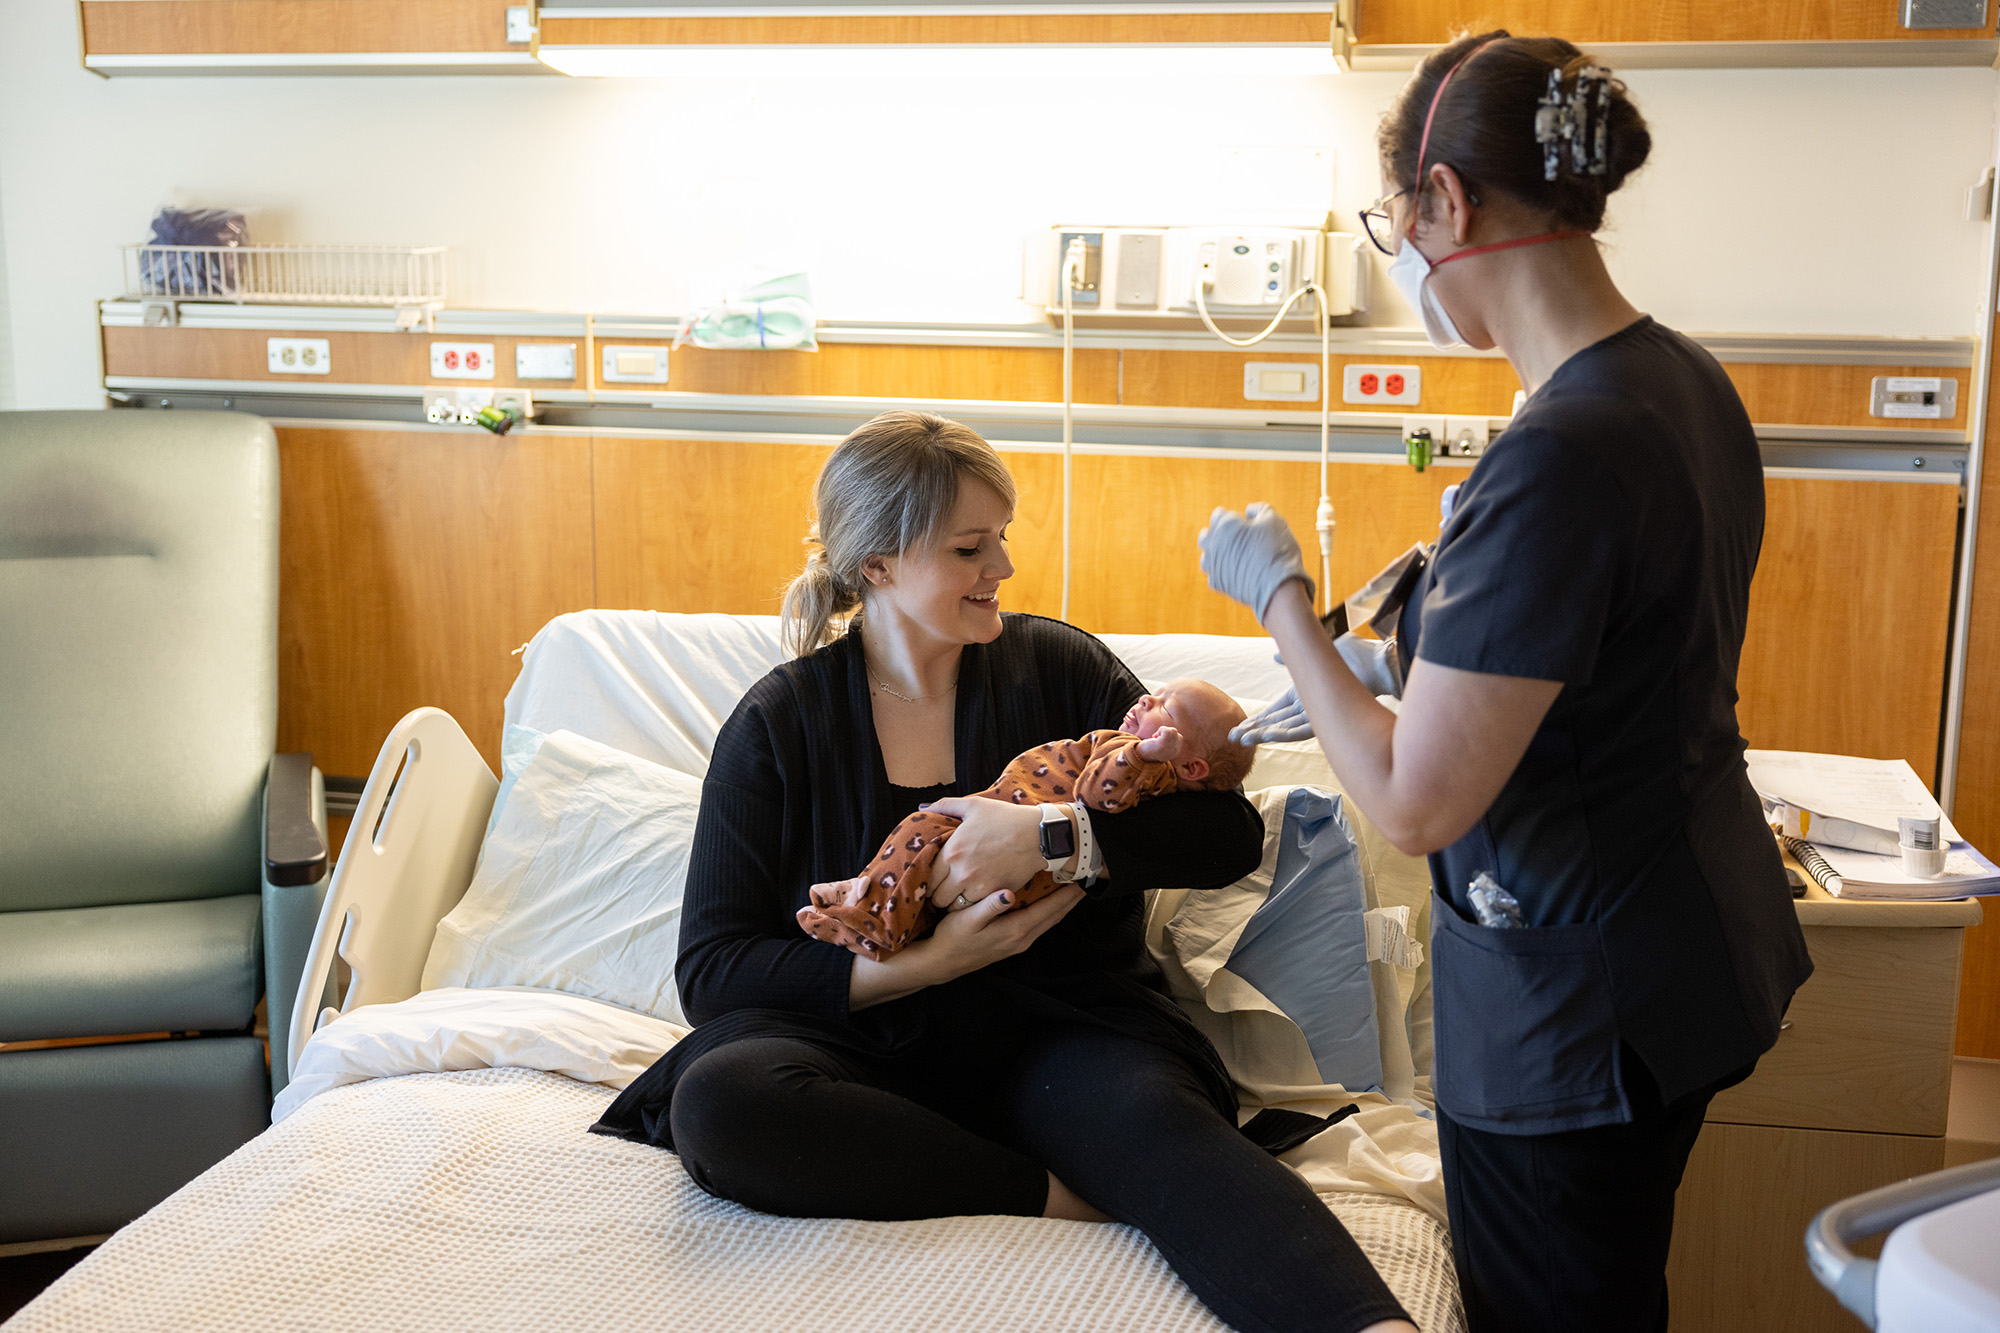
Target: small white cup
x,y
1921,842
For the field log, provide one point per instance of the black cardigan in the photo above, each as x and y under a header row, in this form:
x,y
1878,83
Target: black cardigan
x,y
797,795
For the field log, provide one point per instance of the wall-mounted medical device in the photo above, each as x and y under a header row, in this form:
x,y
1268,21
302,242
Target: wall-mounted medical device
x,y
1160,277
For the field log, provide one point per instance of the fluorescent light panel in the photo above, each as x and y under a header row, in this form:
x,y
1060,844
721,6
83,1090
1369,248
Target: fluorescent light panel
x,y
1038,59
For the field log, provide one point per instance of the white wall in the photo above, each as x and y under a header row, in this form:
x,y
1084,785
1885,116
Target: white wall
x,y
1778,201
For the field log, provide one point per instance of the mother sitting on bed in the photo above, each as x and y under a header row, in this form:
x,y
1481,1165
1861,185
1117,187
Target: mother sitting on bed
x,y
1021,1060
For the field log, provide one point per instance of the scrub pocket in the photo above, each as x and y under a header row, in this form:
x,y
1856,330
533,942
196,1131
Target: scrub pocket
x,y
1524,1029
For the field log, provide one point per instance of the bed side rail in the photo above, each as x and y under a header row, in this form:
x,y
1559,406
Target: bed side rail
x,y
1850,1277
408,858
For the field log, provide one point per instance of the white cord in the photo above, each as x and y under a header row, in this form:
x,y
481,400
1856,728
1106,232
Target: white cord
x,y
1323,520
1072,261
1201,305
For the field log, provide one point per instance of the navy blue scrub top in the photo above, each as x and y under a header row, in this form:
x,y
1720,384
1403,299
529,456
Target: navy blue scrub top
x,y
1607,540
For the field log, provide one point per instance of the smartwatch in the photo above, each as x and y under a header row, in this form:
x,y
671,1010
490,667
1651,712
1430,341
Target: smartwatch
x,y
1058,837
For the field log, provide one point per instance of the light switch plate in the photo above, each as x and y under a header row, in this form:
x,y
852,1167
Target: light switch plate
x,y
520,24
545,361
634,365
1281,381
462,361
299,356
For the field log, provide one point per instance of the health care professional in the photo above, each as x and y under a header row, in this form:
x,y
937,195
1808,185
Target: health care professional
x,y
1567,724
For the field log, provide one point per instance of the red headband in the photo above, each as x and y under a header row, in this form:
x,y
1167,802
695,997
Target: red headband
x,y
1423,144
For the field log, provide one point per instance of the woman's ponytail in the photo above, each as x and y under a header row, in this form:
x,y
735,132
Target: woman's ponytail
x,y
813,601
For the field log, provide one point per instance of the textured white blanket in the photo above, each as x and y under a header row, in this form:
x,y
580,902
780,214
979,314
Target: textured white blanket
x,y
475,1201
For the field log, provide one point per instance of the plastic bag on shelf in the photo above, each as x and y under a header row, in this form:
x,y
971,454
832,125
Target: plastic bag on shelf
x,y
179,273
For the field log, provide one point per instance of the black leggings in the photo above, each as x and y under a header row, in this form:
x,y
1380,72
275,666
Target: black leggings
x,y
785,1126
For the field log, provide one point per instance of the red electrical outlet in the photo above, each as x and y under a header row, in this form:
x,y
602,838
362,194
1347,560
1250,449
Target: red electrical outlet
x,y
1382,386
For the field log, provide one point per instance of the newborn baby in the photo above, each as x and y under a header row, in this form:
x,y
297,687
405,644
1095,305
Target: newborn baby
x,y
1176,740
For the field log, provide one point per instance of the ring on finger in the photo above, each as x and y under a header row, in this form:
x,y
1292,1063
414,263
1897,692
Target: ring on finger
x,y
958,904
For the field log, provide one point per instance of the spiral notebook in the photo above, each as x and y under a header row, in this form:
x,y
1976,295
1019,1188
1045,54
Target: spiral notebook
x,y
1850,874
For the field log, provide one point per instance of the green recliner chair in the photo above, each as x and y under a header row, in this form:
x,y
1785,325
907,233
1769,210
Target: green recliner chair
x,y
157,861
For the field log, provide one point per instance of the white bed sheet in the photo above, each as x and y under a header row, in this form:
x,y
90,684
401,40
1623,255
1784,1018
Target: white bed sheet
x,y
475,1200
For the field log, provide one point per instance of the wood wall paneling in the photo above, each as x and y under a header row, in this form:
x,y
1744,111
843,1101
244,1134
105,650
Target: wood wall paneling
x,y
1463,385
357,358
1977,809
1788,394
938,29
1135,565
1795,394
699,525
412,564
1849,617
1434,22
868,370
258,27
1754,1188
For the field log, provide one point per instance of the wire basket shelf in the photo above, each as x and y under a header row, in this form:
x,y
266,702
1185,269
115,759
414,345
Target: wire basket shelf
x,y
384,275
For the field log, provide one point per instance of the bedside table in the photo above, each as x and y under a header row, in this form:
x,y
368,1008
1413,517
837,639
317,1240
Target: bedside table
x,y
1853,1096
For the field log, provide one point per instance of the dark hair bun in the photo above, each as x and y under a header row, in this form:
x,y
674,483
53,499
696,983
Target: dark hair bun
x,y
1484,126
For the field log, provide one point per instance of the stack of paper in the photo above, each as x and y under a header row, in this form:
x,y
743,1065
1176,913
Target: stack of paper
x,y
1846,810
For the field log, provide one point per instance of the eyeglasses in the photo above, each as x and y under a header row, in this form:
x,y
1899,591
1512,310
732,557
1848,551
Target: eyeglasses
x,y
1381,229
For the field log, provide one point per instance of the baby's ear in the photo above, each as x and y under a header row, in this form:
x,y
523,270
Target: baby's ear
x,y
1192,769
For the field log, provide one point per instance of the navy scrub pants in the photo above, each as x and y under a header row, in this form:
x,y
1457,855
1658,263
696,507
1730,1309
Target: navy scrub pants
x,y
1559,1232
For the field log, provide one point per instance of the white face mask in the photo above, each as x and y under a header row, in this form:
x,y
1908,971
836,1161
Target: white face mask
x,y
1411,272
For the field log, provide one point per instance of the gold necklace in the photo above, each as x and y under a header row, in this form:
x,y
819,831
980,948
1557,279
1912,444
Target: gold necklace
x,y
883,686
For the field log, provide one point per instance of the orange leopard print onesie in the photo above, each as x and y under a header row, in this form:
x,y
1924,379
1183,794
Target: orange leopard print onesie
x,y
893,907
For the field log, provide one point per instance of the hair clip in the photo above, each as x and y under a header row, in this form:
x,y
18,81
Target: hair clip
x,y
1553,124
1600,159
1575,120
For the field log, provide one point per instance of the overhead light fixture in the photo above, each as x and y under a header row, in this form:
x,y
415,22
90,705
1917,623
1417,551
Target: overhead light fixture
x,y
1091,62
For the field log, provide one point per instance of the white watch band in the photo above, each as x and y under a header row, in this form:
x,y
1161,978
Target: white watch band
x,y
1089,863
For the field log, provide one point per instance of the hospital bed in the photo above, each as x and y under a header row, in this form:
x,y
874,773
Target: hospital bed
x,y
429,1167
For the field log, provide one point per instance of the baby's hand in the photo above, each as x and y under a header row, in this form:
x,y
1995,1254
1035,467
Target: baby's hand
x,y
1162,744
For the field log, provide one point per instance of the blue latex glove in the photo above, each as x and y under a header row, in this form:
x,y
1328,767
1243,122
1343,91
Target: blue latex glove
x,y
1249,556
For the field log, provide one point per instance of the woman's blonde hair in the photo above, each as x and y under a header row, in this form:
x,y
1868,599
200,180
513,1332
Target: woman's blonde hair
x,y
888,486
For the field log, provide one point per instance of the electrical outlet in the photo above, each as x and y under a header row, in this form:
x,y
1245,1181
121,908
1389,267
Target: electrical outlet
x,y
634,365
520,24
462,361
1464,437
1382,386
299,356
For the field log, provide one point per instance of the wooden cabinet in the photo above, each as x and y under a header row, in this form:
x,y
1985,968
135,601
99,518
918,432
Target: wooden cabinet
x,y
301,36
1393,33
1434,22
1852,1097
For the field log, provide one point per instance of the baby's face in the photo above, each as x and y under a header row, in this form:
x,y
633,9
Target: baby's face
x,y
1195,708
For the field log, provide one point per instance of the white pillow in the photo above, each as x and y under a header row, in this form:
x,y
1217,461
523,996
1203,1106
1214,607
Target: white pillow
x,y
579,883
440,1030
